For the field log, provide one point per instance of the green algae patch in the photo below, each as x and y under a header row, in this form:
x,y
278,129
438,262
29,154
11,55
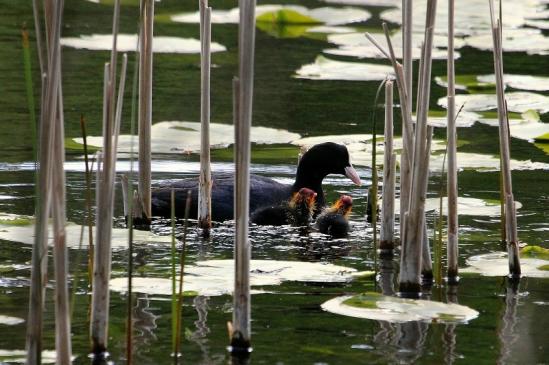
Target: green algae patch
x,y
544,267
275,153
19,222
544,138
286,16
71,146
364,300
535,252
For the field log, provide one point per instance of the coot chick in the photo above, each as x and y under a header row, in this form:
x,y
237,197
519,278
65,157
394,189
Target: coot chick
x,y
335,219
315,164
297,212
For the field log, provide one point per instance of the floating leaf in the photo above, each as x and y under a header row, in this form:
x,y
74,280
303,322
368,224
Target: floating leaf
x,y
20,356
10,321
398,310
466,206
357,45
287,14
497,264
128,43
326,69
216,277
24,233
184,137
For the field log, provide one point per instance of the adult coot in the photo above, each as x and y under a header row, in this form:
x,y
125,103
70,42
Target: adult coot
x,y
297,212
315,164
335,219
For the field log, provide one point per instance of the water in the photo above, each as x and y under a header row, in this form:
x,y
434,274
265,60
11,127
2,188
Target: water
x,y
288,326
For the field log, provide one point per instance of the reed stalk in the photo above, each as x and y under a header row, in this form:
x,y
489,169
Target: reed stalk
x,y
371,211
60,254
89,217
129,208
426,261
389,171
405,172
452,186
413,240
510,212
439,222
48,115
241,335
174,275
177,351
145,107
205,180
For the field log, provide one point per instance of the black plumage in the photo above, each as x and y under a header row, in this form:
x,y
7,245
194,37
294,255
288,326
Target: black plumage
x,y
315,164
297,212
335,219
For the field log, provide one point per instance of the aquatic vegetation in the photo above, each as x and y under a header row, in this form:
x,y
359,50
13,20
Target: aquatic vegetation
x,y
284,14
21,229
216,277
466,206
535,252
483,83
10,321
356,45
398,310
184,137
497,264
327,69
128,43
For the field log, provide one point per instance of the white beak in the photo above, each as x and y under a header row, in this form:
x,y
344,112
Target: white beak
x,y
351,173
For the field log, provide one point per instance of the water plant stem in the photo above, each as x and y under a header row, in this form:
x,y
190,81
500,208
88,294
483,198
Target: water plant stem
x,y
413,240
179,320
48,115
145,107
510,211
452,186
241,335
205,180
389,171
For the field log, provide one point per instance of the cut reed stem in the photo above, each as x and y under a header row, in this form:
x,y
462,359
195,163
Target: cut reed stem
x,y
205,180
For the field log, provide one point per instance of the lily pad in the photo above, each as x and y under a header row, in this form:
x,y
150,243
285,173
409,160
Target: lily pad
x,y
398,310
128,43
357,45
25,234
529,40
216,277
471,16
10,321
326,69
466,206
20,356
184,137
287,14
481,162
519,102
497,264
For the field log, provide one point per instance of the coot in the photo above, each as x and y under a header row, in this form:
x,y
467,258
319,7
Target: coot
x,y
335,219
297,212
315,164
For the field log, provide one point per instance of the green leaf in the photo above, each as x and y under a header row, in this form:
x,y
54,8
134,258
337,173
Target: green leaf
x,y
535,252
286,16
530,116
364,300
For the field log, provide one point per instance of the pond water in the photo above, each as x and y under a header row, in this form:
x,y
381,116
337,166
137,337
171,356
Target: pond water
x,y
288,324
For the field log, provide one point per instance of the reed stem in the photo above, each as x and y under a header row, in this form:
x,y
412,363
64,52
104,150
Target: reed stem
x,y
205,180
181,271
